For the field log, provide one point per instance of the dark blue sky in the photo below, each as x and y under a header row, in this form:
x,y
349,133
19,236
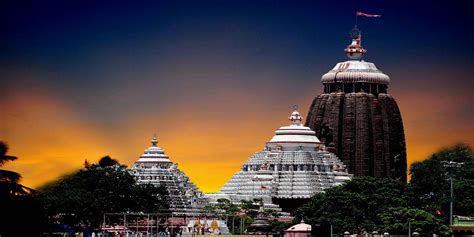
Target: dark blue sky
x,y
60,32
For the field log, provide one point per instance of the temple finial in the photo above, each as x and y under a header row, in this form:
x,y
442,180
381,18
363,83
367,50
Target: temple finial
x,y
295,117
355,50
154,141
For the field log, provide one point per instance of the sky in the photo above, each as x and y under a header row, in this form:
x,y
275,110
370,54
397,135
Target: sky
x,y
214,79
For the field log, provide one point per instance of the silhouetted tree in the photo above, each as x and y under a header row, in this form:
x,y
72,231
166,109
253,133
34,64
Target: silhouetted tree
x,y
81,198
20,213
9,180
107,161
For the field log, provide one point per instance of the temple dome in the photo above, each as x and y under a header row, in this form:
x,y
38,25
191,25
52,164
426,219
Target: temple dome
x,y
154,153
355,70
300,227
295,133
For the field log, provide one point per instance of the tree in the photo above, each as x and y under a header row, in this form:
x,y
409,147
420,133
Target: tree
x,y
21,214
226,207
107,161
10,180
429,185
249,207
396,221
353,206
81,198
464,198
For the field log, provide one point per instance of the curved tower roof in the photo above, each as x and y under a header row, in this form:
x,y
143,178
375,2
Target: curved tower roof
x,y
355,74
357,119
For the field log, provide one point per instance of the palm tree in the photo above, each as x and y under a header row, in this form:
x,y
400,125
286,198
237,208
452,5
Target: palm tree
x,y
9,180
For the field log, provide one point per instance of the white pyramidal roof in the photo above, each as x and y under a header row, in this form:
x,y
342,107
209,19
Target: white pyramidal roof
x,y
154,167
295,133
154,153
294,164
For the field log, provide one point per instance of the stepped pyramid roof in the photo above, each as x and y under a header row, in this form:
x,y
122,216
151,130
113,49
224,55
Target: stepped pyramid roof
x,y
155,167
293,165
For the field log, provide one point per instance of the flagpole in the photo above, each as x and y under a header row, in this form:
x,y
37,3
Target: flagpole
x,y
356,18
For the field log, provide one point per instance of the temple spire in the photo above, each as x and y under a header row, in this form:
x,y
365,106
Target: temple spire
x,y
355,50
154,141
295,117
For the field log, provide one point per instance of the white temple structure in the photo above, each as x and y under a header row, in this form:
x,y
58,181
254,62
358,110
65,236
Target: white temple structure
x,y
155,167
294,165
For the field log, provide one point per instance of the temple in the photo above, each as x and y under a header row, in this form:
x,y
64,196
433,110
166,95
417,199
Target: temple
x,y
357,119
293,166
155,167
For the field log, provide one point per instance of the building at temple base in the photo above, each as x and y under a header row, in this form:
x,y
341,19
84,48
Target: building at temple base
x,y
292,167
299,230
155,167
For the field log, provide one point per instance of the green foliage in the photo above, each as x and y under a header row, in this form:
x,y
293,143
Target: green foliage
x,y
396,221
464,197
384,205
429,185
279,226
249,207
226,207
353,206
83,197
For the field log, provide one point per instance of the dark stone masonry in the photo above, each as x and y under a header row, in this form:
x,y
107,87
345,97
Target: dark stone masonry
x,y
357,119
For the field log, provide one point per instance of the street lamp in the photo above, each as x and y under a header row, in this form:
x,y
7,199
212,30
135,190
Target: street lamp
x,y
409,227
451,165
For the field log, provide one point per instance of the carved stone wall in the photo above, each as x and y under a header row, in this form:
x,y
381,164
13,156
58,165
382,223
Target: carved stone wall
x,y
366,131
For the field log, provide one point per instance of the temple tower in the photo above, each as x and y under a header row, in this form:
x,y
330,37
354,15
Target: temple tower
x,y
154,167
292,167
357,119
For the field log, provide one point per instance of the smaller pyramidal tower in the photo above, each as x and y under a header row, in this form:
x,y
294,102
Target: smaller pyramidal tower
x,y
292,167
357,119
155,167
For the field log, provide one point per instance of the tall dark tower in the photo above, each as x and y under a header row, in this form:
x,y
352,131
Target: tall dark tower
x,y
357,118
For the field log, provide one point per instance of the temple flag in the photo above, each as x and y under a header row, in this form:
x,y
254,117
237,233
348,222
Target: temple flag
x,y
367,15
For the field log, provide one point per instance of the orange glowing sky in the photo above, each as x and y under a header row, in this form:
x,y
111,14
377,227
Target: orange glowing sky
x,y
209,140
212,79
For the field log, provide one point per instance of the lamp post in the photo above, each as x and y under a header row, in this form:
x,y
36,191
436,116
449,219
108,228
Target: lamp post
x,y
409,227
451,165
